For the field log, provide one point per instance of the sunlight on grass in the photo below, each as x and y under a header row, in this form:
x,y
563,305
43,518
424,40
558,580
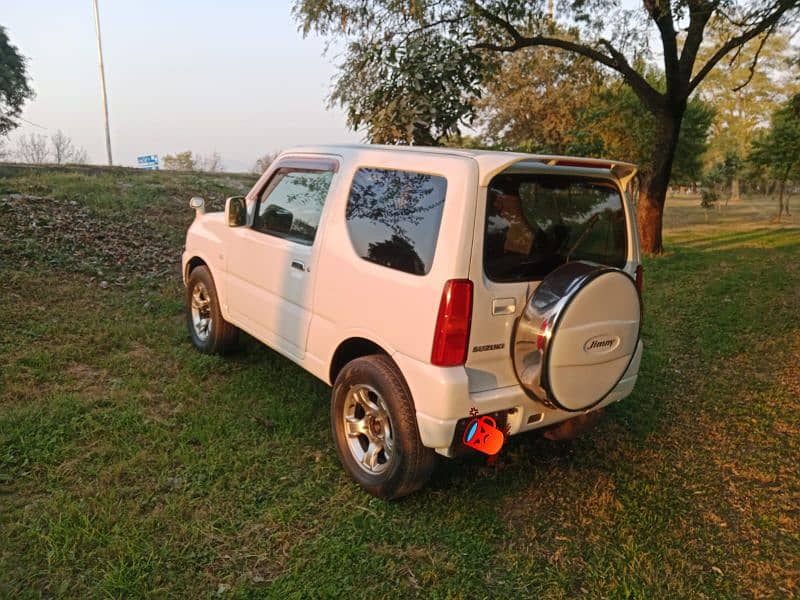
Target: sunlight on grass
x,y
131,465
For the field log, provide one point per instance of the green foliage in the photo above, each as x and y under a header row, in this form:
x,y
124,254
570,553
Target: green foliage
x,y
687,165
588,116
745,97
616,123
15,87
475,35
417,92
718,177
536,99
712,180
180,161
777,151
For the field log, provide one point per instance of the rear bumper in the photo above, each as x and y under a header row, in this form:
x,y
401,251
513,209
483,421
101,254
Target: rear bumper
x,y
442,398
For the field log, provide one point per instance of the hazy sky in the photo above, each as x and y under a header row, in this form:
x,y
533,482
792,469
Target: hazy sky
x,y
234,76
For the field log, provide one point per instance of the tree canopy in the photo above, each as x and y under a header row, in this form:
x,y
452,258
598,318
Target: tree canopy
x,y
416,69
744,98
553,102
15,88
777,150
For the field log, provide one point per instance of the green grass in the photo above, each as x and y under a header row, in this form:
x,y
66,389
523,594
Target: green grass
x,y
131,465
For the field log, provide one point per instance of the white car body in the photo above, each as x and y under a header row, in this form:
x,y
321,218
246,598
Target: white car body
x,y
320,304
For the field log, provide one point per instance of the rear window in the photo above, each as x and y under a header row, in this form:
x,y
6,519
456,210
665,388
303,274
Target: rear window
x,y
393,217
535,223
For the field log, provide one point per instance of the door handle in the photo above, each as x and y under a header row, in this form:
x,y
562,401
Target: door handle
x,y
299,265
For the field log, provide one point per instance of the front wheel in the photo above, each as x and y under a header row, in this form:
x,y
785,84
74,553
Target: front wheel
x,y
210,333
375,429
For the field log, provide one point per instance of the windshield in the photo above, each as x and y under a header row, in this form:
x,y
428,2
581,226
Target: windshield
x,y
535,223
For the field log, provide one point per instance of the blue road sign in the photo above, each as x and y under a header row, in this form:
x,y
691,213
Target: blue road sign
x,y
149,161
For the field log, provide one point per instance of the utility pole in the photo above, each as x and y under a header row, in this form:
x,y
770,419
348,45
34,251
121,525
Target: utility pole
x,y
102,80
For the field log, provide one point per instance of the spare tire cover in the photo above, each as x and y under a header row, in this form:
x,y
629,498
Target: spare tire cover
x,y
577,335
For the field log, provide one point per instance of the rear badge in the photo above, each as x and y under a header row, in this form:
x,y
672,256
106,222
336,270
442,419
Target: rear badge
x,y
488,347
600,344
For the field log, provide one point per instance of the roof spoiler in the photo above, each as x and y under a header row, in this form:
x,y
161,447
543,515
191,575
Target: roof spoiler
x,y
621,170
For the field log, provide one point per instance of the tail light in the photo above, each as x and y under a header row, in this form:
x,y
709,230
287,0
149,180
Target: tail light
x,y
640,279
451,336
541,337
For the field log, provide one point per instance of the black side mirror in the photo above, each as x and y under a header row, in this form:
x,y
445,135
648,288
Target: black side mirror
x,y
278,219
236,211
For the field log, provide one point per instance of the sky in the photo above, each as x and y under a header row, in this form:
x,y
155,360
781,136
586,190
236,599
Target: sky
x,y
234,77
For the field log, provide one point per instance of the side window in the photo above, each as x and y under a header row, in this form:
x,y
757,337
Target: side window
x,y
291,204
393,217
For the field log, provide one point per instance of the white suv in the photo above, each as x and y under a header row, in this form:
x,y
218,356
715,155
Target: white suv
x,y
429,286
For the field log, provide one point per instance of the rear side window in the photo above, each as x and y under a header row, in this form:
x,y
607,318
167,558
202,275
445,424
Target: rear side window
x,y
393,217
535,223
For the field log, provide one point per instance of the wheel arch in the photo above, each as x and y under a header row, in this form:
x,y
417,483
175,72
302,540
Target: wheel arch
x,y
192,264
351,349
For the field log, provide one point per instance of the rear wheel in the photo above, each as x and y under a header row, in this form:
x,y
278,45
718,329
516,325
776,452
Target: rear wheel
x,y
375,429
210,333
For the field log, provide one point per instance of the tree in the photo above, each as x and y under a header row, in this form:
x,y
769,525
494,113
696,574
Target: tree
x,y
187,161
535,102
413,94
609,119
263,162
64,151
566,106
742,110
776,150
79,156
464,39
211,163
15,88
33,148
180,161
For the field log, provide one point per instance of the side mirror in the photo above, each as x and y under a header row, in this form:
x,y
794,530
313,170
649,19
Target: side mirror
x,y
236,211
199,205
278,220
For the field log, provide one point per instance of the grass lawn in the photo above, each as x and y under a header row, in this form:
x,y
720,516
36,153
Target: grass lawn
x,y
132,465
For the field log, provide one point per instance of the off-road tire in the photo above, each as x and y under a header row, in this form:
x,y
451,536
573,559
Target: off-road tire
x,y
412,463
222,336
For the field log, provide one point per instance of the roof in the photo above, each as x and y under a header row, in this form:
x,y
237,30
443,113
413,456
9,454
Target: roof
x,y
490,162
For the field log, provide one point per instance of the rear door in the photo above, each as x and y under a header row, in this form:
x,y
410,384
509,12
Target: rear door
x,y
271,261
528,224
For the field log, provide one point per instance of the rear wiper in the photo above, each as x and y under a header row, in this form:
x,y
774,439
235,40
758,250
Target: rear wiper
x,y
589,226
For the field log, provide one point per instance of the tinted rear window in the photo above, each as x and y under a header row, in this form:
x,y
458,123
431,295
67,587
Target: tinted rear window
x,y
535,223
393,217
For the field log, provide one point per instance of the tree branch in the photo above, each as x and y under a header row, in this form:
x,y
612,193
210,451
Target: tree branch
x,y
768,22
615,60
754,62
661,13
699,15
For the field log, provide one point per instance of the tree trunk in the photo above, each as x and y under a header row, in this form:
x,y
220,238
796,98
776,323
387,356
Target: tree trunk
x,y
734,190
782,187
653,190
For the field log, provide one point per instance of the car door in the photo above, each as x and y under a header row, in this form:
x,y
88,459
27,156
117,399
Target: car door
x,y
271,259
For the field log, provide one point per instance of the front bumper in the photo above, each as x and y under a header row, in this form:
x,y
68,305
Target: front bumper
x,y
442,399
